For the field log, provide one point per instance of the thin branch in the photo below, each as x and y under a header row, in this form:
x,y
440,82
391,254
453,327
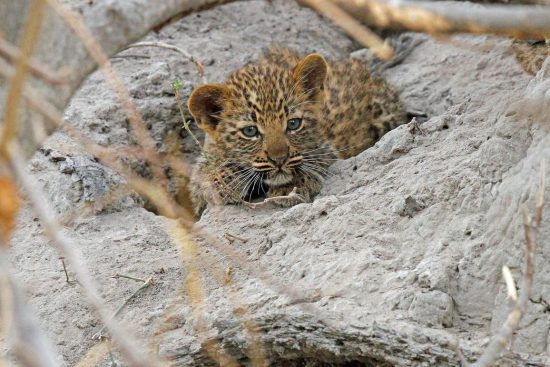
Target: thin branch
x,y
117,276
352,27
187,55
293,195
519,305
519,21
12,54
147,283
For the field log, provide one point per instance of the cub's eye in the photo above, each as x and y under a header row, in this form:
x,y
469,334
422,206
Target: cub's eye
x,y
250,131
294,124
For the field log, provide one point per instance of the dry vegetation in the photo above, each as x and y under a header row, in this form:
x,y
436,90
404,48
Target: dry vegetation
x,y
19,64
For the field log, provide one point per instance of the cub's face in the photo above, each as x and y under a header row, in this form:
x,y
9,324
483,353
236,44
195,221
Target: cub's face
x,y
263,121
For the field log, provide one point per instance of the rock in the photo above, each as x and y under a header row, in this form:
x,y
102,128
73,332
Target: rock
x,y
396,259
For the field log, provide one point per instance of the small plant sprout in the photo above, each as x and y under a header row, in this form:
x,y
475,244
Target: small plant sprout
x,y
176,86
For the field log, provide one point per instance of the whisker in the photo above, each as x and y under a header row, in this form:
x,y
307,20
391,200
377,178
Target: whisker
x,y
236,182
318,169
305,172
311,174
257,179
320,159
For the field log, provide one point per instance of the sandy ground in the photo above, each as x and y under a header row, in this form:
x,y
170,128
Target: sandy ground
x,y
396,260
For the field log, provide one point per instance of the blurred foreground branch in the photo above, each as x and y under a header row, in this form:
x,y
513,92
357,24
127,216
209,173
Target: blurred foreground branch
x,y
352,27
436,17
67,249
24,338
12,53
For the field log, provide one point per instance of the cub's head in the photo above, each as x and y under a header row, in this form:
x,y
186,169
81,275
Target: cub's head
x,y
264,118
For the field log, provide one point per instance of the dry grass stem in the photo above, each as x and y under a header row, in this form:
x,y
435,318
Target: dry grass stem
x,y
187,55
540,199
414,127
17,83
176,86
352,27
256,350
36,102
195,290
11,53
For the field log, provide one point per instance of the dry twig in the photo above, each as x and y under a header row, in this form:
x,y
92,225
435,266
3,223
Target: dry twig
x,y
519,21
519,304
231,237
117,276
352,27
293,195
146,283
65,270
187,55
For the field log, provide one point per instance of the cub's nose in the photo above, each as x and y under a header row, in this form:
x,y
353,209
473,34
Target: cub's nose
x,y
279,158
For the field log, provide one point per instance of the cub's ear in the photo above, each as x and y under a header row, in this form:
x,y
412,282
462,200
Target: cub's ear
x,y
311,73
206,103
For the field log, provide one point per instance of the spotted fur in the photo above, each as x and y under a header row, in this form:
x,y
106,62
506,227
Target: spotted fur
x,y
531,54
341,109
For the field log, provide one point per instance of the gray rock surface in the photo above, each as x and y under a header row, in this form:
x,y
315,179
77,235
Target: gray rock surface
x,y
397,259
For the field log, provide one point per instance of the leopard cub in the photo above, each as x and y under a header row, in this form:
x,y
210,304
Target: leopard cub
x,y
274,127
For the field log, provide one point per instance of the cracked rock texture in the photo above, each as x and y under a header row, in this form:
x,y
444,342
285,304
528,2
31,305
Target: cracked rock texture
x,y
398,258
